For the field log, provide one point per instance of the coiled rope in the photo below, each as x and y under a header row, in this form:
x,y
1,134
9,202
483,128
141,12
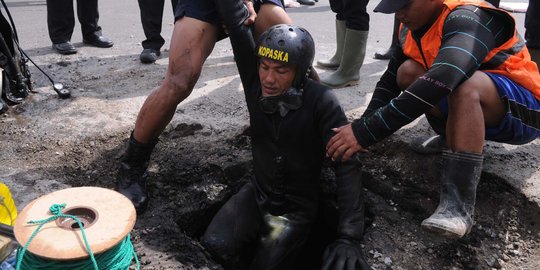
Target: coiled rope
x,y
117,258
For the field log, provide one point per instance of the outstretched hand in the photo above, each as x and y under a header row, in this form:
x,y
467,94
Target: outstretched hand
x,y
252,14
344,254
343,144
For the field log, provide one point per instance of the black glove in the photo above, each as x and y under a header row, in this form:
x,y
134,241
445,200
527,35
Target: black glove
x,y
344,254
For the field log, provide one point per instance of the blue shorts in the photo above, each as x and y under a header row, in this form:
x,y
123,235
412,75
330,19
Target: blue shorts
x,y
205,11
521,123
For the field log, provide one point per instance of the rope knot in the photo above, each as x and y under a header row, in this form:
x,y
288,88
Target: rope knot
x,y
56,209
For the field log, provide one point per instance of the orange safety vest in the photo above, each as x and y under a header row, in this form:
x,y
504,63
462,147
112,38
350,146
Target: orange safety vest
x,y
518,65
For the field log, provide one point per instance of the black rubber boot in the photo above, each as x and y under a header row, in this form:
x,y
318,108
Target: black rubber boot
x,y
453,218
132,173
388,53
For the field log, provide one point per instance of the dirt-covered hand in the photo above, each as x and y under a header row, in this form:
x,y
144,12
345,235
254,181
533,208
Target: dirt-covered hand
x,y
252,14
344,254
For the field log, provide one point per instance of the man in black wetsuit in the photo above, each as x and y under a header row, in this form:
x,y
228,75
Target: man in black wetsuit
x,y
291,119
463,64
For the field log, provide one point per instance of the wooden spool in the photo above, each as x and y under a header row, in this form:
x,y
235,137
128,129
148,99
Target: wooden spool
x,y
107,217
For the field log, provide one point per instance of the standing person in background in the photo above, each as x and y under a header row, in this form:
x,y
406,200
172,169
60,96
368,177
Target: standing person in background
x,y
532,30
151,19
352,27
61,21
387,54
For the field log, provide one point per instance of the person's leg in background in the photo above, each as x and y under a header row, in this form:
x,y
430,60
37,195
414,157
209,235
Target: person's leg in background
x,y
387,54
334,61
151,19
495,3
60,21
354,44
532,30
87,11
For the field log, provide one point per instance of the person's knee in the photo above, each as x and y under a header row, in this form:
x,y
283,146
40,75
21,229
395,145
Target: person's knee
x,y
408,72
269,15
468,91
181,80
220,249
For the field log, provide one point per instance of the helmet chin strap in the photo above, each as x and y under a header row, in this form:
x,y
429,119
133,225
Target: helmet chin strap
x,y
299,81
290,100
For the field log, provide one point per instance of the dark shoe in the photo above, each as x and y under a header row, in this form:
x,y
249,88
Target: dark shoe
x,y
149,56
385,55
64,48
428,144
98,41
306,2
132,173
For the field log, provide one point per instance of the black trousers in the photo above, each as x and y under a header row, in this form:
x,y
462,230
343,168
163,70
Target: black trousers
x,y
151,18
61,19
241,237
353,12
532,25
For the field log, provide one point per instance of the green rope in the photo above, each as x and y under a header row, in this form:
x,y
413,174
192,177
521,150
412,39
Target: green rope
x,y
117,258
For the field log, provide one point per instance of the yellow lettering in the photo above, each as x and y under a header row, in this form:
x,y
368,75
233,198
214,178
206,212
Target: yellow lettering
x,y
273,54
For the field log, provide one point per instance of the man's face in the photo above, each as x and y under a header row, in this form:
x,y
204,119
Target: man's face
x,y
276,77
418,13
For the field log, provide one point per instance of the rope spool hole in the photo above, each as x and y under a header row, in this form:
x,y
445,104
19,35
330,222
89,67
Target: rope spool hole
x,y
87,215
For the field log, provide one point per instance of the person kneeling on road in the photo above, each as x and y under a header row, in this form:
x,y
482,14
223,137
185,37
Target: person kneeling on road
x,y
291,118
463,64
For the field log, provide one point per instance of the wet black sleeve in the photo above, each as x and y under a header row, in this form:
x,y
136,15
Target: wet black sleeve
x,y
328,114
233,13
469,34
